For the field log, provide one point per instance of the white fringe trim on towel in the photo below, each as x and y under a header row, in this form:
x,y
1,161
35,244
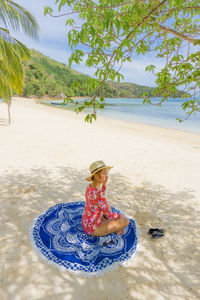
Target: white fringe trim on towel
x,y
99,273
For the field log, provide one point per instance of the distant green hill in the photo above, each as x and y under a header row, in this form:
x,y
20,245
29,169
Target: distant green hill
x,y
47,77
128,90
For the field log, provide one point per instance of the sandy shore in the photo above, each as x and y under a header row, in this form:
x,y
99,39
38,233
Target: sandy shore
x,y
44,159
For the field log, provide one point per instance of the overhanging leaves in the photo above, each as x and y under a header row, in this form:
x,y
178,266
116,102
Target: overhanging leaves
x,y
113,32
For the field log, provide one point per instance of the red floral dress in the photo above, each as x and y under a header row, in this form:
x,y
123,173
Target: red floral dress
x,y
95,207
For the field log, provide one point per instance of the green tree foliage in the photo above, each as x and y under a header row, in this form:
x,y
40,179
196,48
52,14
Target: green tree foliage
x,y
108,33
12,51
47,77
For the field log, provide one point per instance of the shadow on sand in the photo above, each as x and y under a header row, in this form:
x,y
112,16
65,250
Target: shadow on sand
x,y
4,122
165,269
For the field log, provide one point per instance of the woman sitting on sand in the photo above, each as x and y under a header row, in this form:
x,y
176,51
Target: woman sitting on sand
x,y
98,218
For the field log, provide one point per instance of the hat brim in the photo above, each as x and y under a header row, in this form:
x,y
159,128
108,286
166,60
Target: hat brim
x,y
105,167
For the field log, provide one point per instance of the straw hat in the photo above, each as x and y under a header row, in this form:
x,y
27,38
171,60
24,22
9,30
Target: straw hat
x,y
96,167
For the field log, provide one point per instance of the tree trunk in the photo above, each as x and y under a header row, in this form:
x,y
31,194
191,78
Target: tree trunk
x,y
9,116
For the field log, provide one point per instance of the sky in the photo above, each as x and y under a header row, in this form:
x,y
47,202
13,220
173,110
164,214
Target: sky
x,y
53,43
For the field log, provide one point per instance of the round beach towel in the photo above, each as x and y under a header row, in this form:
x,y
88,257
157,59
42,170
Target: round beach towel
x,y
58,236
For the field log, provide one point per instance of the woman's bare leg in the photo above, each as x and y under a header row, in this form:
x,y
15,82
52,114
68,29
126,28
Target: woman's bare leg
x,y
110,226
121,231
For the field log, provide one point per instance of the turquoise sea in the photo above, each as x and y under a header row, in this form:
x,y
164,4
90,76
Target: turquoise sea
x,y
133,110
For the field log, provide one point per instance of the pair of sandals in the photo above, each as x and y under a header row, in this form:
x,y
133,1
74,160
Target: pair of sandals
x,y
156,233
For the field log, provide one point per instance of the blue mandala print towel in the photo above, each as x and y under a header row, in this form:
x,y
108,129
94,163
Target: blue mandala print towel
x,y
59,236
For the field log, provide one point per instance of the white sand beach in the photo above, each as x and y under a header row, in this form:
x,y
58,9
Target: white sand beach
x,y
44,159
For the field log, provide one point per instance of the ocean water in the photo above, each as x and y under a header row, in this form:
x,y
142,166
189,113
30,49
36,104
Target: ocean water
x,y
133,110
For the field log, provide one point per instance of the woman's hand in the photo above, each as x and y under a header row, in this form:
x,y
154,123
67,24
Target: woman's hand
x,y
104,176
104,179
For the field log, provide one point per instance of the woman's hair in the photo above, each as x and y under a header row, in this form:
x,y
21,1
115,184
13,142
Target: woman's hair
x,y
95,174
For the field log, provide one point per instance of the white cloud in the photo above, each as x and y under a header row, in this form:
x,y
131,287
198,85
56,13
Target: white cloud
x,y
135,71
51,29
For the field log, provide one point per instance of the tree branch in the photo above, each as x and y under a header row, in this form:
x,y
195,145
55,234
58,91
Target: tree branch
x,y
178,34
180,8
66,14
110,7
147,17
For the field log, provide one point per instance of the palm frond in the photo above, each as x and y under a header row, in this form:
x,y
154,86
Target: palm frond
x,y
12,74
5,34
14,16
12,52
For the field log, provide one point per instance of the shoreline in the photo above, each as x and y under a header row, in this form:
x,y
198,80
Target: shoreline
x,y
119,119
44,159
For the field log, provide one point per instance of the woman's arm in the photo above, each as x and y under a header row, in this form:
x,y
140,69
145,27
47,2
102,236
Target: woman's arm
x,y
103,205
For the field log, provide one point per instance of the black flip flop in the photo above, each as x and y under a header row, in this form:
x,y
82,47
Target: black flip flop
x,y
155,230
157,235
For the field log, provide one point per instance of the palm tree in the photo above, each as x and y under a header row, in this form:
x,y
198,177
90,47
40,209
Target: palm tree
x,y
13,52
